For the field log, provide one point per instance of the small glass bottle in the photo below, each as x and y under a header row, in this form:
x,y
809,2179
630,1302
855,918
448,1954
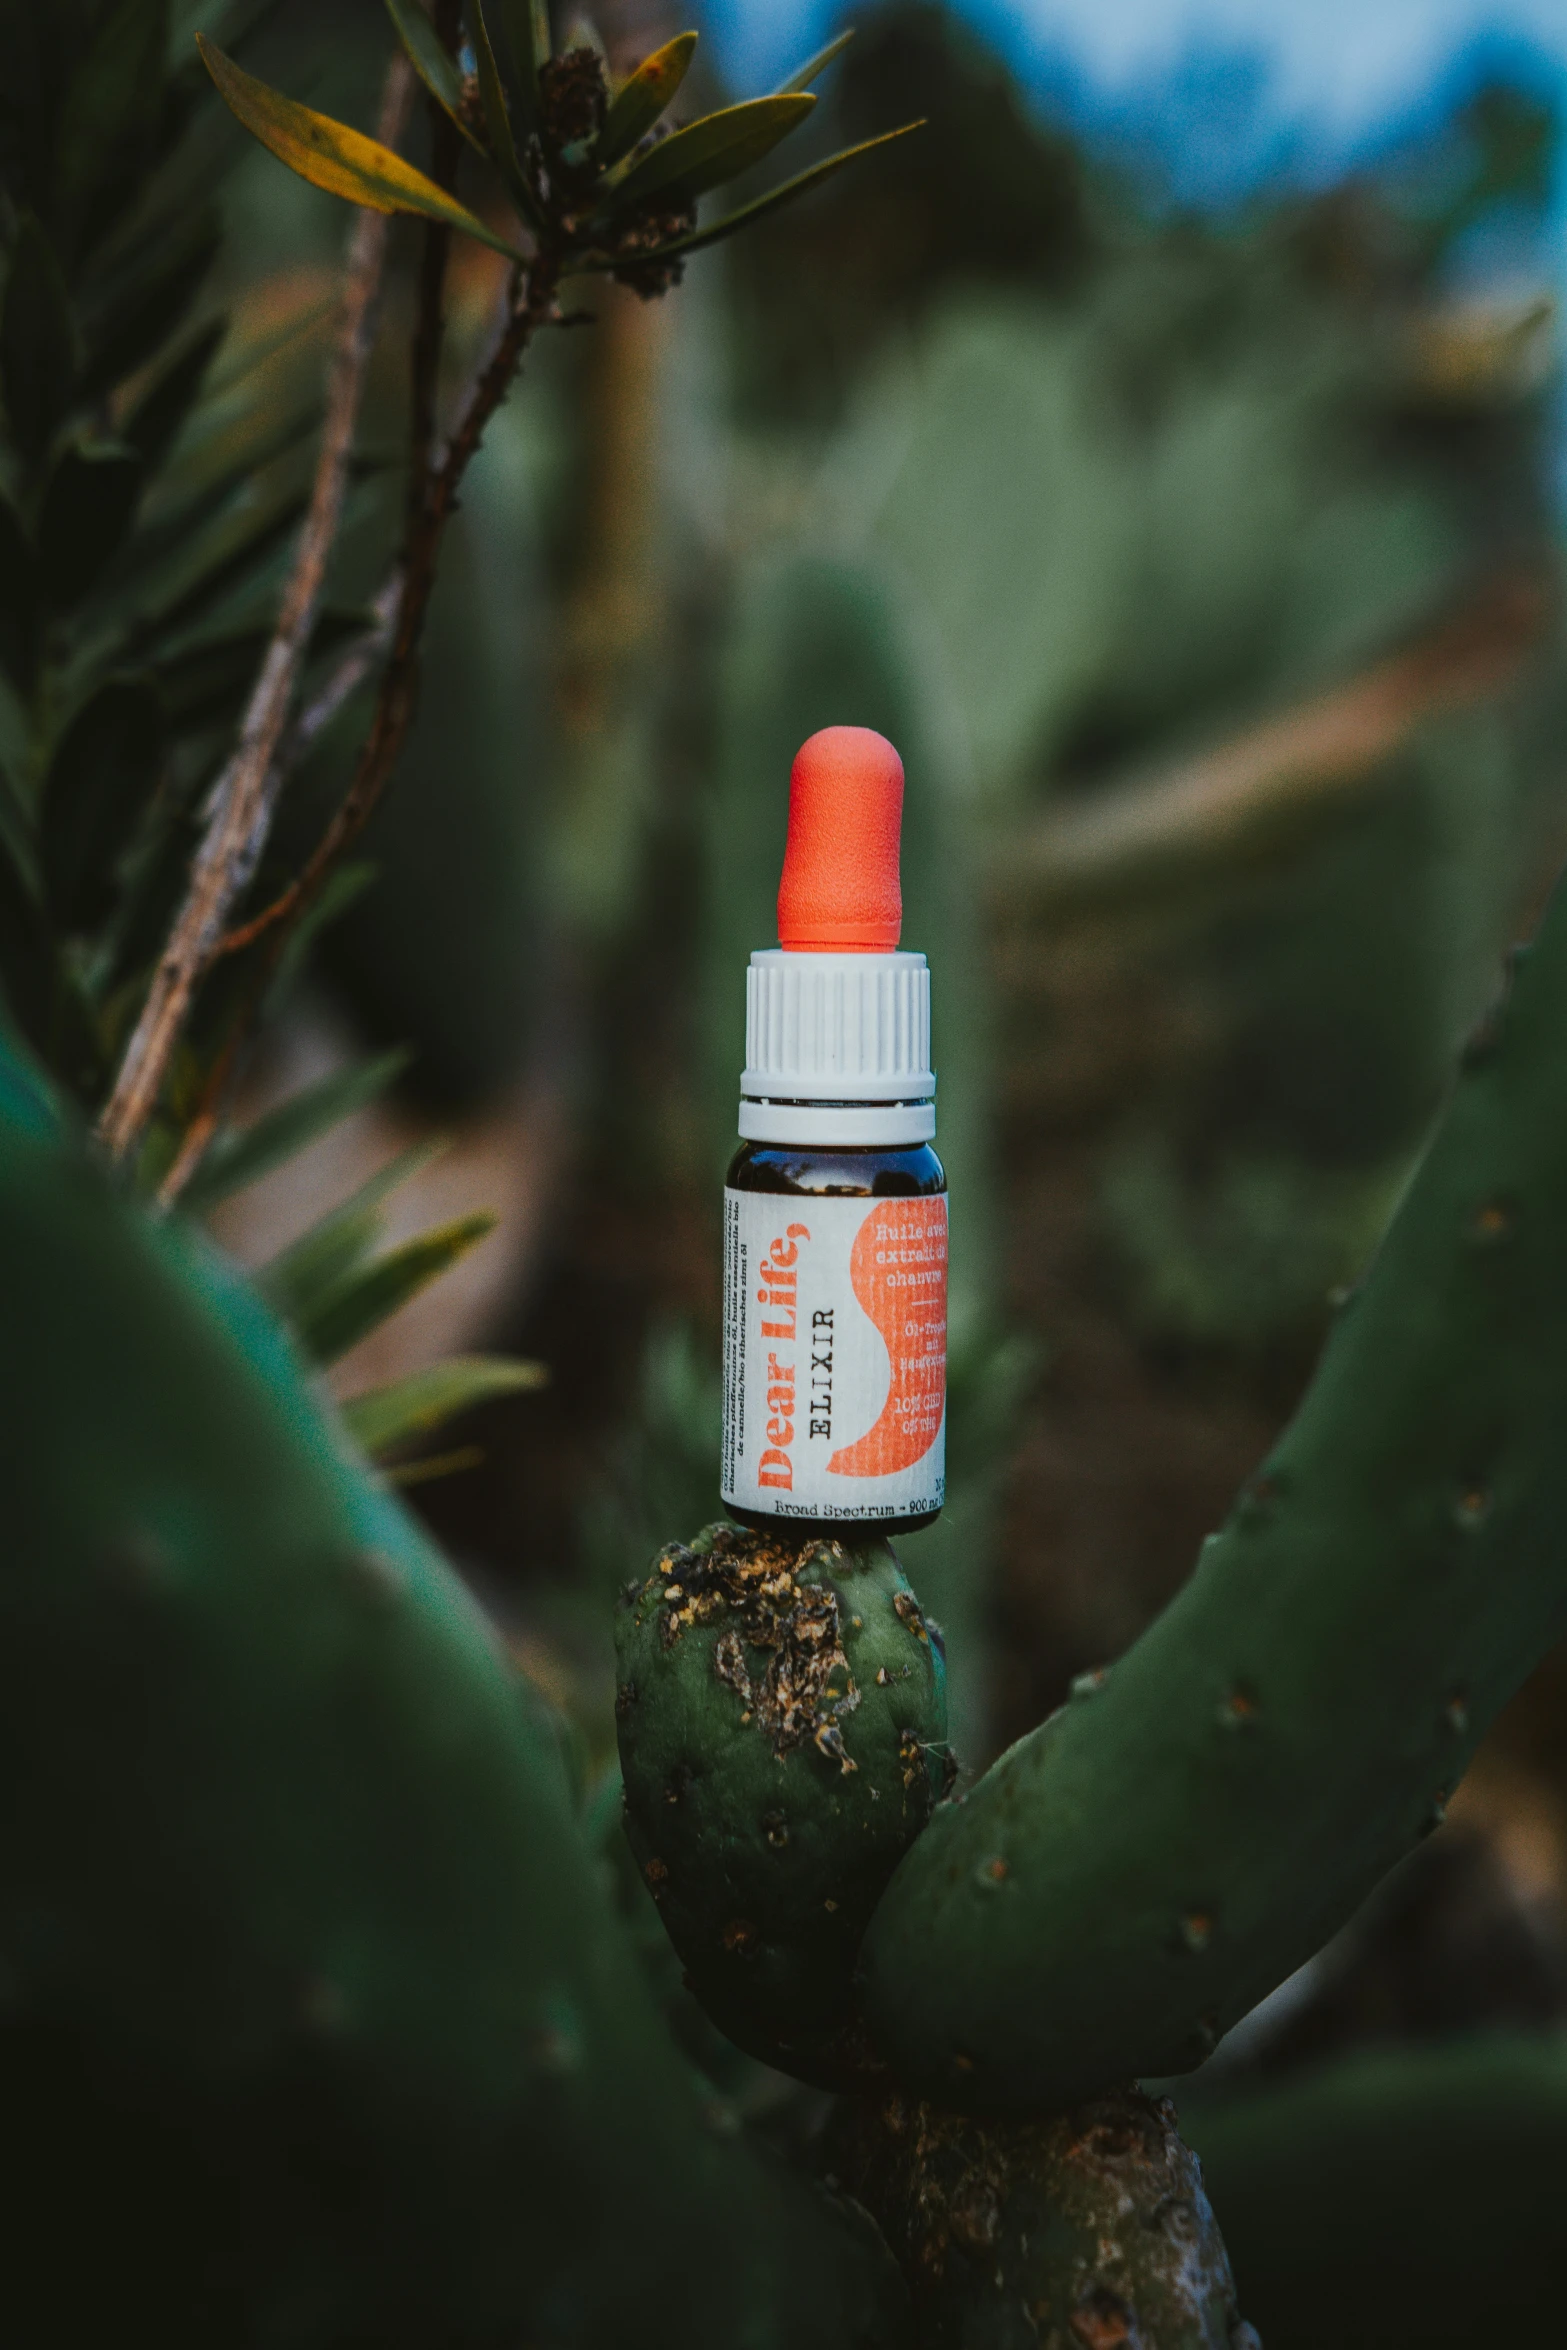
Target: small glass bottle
x,y
835,1210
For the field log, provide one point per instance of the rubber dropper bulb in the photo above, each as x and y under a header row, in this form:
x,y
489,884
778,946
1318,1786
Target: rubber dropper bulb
x,y
840,893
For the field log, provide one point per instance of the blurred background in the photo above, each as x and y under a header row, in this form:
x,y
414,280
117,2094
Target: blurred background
x,y
1164,447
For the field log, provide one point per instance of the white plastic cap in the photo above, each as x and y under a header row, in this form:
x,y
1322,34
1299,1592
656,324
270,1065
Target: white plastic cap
x,y
837,1049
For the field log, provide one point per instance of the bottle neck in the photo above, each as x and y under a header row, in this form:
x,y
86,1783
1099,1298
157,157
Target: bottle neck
x,y
840,1125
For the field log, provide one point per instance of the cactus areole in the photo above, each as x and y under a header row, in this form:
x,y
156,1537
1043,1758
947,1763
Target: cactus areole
x,y
835,1208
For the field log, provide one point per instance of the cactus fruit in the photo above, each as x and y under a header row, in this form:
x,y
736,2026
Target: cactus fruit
x,y
315,2014
781,1712
1083,2230
1135,1874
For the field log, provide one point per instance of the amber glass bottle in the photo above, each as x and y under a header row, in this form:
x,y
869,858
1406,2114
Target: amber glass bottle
x,y
835,1208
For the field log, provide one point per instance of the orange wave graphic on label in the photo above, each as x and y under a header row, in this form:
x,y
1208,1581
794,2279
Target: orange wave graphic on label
x,y
899,1270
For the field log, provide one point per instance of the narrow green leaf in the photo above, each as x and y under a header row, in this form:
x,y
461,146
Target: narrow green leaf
x,y
342,889
426,1400
784,193
16,836
815,66
38,348
718,148
155,423
109,122
643,97
242,1156
497,121
369,1295
244,557
429,59
18,598
185,535
208,683
300,1276
332,156
141,309
88,507
527,25
438,1464
247,358
100,780
28,968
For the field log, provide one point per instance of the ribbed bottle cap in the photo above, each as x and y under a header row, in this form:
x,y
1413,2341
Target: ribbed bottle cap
x,y
837,1049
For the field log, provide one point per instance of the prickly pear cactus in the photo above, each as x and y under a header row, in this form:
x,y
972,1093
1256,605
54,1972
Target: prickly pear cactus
x,y
782,1721
1078,2232
1134,1875
299,1938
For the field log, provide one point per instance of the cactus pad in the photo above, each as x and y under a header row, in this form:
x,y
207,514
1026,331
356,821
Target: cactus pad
x,y
782,1721
1133,1876
1079,2232
314,2016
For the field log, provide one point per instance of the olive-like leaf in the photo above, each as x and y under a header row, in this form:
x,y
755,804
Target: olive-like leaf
x,y
242,1156
426,1400
38,348
29,974
300,1276
155,422
785,193
109,122
428,56
814,66
527,24
207,684
186,534
343,888
143,305
88,507
718,148
100,780
643,97
369,1295
16,835
243,557
18,598
497,121
332,156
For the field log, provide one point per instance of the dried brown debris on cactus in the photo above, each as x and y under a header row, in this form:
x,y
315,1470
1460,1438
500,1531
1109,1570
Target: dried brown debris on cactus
x,y
1088,2230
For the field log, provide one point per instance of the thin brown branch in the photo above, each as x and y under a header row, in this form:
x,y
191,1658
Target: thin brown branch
x,y
401,606
1289,769
245,797
530,303
430,320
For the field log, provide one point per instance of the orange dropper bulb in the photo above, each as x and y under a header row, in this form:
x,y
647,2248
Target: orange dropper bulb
x,y
839,894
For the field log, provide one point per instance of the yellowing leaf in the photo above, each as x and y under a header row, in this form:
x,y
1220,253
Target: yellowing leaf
x,y
332,156
643,97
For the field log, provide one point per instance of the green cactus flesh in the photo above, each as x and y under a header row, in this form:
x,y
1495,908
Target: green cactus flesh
x,y
316,2026
782,1719
1131,1877
1398,2195
1087,2229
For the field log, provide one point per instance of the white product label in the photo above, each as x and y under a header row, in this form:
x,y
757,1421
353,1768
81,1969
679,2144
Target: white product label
x,y
835,1355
